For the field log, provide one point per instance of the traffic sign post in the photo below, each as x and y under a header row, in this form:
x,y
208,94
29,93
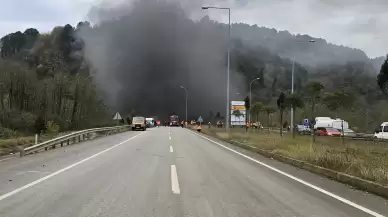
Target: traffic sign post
x,y
200,120
117,117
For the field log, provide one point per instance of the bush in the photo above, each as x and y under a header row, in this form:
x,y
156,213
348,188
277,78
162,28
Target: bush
x,y
52,127
62,123
39,126
6,133
20,121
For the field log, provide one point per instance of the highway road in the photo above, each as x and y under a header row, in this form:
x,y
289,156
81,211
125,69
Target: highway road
x,y
169,172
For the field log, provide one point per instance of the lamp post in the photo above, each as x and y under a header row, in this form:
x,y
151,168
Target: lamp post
x,y
250,97
227,114
186,99
292,86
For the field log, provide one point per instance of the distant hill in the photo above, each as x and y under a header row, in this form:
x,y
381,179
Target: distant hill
x,y
286,45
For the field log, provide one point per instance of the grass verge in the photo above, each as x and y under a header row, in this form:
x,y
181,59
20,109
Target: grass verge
x,y
8,146
364,159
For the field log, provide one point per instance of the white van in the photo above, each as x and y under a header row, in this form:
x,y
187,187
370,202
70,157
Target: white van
x,y
382,131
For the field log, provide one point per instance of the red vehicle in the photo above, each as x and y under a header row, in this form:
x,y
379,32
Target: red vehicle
x,y
174,120
322,131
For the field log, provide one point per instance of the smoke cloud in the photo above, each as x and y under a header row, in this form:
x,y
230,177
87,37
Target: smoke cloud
x,y
142,52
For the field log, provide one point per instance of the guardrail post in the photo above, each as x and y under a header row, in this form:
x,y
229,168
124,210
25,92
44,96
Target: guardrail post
x,y
22,152
45,148
53,146
68,142
79,138
74,140
62,144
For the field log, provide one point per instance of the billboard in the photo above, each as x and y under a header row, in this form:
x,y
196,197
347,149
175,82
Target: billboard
x,y
237,113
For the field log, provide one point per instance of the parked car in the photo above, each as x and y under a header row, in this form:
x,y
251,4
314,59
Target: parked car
x,y
327,131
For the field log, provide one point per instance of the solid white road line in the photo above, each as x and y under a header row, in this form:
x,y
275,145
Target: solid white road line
x,y
350,203
174,181
9,194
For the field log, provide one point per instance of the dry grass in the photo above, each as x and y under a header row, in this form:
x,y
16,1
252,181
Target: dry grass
x,y
14,145
364,159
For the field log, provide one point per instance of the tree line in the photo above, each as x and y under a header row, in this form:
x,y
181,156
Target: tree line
x,y
44,78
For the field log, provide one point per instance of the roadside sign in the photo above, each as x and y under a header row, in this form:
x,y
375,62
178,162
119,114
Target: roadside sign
x,y
200,120
117,116
238,118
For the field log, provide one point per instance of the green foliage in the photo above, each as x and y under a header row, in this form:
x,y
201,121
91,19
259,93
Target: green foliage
x,y
294,101
52,127
269,109
41,79
338,100
247,102
256,109
6,133
313,91
384,67
39,125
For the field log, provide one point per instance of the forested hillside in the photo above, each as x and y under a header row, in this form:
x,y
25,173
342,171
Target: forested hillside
x,y
287,45
49,77
44,78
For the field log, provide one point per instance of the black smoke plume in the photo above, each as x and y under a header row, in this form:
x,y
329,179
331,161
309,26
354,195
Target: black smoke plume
x,y
141,53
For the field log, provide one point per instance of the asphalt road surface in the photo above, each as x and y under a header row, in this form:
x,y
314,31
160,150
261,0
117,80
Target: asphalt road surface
x,y
169,172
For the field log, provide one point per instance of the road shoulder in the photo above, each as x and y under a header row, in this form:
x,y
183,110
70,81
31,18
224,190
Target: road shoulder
x,y
365,199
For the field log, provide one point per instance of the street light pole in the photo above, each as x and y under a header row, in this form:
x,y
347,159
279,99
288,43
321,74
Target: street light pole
x,y
186,96
227,114
292,86
250,97
292,91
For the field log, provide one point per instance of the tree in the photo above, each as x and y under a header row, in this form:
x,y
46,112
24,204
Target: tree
x,y
294,101
313,91
247,102
382,78
256,109
40,125
281,107
269,110
339,99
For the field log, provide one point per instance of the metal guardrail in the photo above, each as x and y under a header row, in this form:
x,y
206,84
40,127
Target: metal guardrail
x,y
359,136
71,138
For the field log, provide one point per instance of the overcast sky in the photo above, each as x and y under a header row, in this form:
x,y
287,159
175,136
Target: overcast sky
x,y
355,23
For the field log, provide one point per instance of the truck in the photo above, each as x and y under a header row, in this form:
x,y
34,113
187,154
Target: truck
x,y
327,122
138,123
150,122
174,120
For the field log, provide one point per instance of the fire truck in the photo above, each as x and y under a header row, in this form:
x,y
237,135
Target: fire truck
x,y
174,120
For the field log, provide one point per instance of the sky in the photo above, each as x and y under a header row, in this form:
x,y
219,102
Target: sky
x,y
354,23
